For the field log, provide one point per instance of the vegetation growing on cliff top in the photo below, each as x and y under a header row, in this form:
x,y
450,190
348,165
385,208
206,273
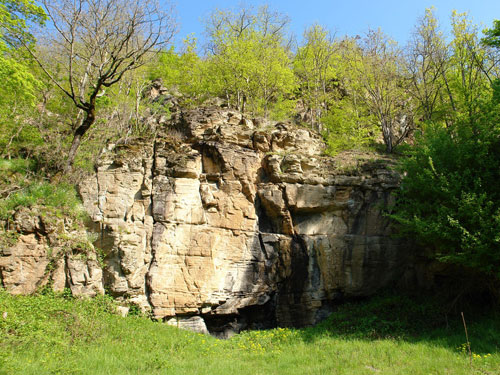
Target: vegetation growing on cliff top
x,y
358,92
21,187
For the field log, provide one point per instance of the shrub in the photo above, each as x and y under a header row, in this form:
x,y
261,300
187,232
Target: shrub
x,y
450,196
12,166
345,130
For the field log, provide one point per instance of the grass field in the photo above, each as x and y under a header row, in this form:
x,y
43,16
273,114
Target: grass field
x,y
47,334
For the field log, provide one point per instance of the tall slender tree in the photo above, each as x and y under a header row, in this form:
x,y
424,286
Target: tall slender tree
x,y
427,63
377,68
314,65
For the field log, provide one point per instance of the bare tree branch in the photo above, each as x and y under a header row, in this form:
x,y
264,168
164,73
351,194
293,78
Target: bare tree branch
x,y
96,42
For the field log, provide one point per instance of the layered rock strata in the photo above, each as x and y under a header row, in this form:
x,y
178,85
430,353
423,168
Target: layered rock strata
x,y
48,251
227,223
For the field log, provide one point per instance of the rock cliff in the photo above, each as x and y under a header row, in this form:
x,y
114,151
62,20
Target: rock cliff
x,y
226,223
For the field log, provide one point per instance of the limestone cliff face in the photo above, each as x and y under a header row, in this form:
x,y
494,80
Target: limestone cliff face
x,y
48,250
240,222
228,223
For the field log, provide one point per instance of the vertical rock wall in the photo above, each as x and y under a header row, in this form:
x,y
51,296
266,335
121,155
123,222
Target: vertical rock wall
x,y
235,223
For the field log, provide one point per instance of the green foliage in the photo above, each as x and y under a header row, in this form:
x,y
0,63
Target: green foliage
x,y
13,166
492,36
19,85
62,198
348,128
248,63
316,67
14,175
282,108
180,71
426,65
52,333
53,319
387,315
492,39
450,197
15,18
468,84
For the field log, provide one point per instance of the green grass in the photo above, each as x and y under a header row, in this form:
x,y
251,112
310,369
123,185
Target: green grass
x,y
48,334
61,197
10,166
21,187
13,175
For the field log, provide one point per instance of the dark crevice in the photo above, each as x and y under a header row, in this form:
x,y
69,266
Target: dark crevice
x,y
1,280
291,306
299,264
264,222
147,287
255,317
67,284
263,246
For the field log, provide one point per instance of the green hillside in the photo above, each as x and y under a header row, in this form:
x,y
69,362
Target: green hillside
x,y
47,334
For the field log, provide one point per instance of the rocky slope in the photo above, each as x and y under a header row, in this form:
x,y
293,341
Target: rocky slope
x,y
228,223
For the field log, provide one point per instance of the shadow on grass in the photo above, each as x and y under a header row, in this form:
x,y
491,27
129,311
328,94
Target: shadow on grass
x,y
414,319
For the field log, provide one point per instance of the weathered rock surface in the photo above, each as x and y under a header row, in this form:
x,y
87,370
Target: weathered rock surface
x,y
232,223
48,252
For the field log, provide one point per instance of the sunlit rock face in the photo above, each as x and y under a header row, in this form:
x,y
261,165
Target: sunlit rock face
x,y
238,223
48,251
226,223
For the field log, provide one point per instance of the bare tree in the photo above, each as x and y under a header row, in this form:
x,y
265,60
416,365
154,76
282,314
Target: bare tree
x,y
96,42
377,69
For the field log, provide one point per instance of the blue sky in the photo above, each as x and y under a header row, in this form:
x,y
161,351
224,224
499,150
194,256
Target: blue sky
x,y
352,17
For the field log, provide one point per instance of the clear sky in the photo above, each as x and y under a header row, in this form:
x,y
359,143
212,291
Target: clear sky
x,y
353,17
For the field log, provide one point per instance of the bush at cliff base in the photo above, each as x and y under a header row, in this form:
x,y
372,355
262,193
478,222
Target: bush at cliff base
x,y
449,199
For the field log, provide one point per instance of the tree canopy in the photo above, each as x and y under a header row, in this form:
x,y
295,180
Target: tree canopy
x,y
19,85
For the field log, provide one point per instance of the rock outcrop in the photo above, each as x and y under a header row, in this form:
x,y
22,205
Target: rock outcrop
x,y
227,223
48,251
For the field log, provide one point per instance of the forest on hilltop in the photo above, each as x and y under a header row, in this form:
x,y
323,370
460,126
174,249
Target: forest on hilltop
x,y
88,63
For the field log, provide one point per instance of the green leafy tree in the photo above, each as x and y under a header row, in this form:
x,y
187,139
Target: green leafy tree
x,y
468,80
184,72
15,19
19,85
349,123
247,61
315,66
427,63
378,70
492,36
450,197
492,40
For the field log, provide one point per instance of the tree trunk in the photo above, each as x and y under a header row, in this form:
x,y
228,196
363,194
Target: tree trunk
x,y
387,134
77,138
